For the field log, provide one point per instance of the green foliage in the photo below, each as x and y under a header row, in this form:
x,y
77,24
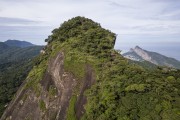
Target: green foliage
x,y
145,64
36,75
42,105
71,110
83,42
84,35
171,79
140,94
123,91
136,87
15,64
52,91
75,63
16,54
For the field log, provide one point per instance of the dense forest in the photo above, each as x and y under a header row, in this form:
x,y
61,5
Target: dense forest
x,y
15,64
123,90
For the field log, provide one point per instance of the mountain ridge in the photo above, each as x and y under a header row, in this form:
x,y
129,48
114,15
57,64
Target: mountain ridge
x,y
3,46
18,43
139,54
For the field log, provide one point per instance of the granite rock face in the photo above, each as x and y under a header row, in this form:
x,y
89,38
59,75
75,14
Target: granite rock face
x,y
27,105
139,54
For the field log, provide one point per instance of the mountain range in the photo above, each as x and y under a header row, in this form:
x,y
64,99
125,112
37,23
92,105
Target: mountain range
x,y
18,43
139,54
16,60
14,50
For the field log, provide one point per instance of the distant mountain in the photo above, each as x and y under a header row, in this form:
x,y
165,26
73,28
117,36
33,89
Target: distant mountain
x,y
15,54
14,50
18,43
139,54
144,64
15,64
3,46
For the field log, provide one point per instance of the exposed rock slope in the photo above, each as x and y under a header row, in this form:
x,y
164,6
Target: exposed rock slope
x,y
47,105
138,54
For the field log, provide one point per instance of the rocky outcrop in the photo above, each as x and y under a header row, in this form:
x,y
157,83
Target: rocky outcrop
x,y
65,69
139,54
27,105
88,81
144,55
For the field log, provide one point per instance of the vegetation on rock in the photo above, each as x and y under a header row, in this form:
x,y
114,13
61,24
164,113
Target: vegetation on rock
x,y
122,91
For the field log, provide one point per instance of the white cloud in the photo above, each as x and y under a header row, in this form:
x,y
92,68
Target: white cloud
x,y
136,17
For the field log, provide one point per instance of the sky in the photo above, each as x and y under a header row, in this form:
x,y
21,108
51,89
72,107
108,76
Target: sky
x,y
151,24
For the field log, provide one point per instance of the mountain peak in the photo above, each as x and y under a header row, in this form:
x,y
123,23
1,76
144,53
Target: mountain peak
x,y
131,50
93,37
140,54
18,43
137,47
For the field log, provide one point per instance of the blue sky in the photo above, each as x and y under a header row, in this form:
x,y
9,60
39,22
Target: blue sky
x,y
137,22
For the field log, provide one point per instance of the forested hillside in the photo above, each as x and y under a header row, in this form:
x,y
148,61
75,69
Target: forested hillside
x,y
122,91
15,64
81,76
18,43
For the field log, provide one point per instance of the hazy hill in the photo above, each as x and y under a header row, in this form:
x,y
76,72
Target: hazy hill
x,y
3,46
18,43
139,54
14,50
15,53
80,76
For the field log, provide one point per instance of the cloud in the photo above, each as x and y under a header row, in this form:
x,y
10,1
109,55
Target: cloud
x,y
34,34
13,21
124,17
119,5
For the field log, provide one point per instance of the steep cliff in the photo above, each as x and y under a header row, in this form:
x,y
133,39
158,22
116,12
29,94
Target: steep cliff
x,y
50,99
